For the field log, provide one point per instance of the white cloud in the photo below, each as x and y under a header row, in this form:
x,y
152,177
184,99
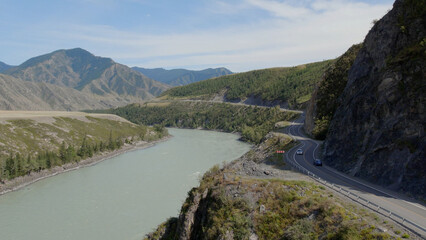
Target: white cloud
x,y
280,9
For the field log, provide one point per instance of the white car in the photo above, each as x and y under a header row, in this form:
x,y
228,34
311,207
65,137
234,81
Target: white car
x,y
299,151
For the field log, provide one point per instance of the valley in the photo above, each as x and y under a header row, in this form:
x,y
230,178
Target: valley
x,y
294,143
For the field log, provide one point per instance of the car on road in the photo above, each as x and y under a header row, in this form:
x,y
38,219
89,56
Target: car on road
x,y
299,151
317,162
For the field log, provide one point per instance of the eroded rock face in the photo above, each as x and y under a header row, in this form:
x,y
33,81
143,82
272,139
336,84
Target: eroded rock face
x,y
377,133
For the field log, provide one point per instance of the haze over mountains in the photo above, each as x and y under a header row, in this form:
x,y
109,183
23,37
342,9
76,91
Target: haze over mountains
x,y
4,66
180,77
72,80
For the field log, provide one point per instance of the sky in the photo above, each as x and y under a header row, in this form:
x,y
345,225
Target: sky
x,y
241,35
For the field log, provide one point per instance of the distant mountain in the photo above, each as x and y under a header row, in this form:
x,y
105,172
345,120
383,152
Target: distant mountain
x,y
4,67
180,77
97,77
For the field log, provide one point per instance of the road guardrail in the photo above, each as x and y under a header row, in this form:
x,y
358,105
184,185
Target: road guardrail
x,y
355,197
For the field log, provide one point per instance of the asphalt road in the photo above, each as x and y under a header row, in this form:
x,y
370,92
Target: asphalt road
x,y
402,207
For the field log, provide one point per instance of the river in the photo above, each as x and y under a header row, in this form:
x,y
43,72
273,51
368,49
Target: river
x,y
124,197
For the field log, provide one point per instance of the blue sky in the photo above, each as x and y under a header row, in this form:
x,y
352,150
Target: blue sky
x,y
195,34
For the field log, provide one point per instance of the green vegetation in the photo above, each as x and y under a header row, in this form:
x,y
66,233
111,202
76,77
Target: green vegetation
x,y
252,122
238,207
28,146
293,85
330,89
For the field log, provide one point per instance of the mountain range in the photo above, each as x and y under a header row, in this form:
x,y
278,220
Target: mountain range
x,y
74,79
180,77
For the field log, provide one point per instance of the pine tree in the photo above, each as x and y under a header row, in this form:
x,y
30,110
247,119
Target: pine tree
x,y
63,153
48,160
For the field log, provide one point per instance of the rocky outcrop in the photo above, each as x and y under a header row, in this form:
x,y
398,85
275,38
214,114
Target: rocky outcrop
x,y
378,131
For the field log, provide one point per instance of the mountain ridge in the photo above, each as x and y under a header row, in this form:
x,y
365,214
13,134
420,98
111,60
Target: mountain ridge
x,y
180,77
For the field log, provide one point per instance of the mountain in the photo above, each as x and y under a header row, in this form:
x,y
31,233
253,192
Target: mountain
x,y
180,77
96,77
274,86
378,131
4,67
16,94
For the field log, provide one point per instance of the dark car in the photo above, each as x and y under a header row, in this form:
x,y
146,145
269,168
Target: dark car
x,y
317,162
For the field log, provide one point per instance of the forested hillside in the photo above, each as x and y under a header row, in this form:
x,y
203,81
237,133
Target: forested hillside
x,y
253,122
293,85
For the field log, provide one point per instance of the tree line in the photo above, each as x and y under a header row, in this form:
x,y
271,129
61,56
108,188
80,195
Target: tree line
x,y
16,165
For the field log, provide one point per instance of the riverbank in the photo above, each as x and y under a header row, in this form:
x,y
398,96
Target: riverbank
x,y
23,181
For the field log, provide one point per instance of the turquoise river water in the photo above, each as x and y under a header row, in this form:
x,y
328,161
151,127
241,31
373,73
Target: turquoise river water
x,y
124,197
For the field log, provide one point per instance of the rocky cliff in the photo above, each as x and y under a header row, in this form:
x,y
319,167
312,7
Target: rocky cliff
x,y
378,131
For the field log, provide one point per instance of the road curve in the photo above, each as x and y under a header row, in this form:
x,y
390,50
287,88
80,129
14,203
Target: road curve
x,y
407,211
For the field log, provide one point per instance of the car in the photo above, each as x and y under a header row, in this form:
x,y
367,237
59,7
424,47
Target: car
x,y
299,151
317,162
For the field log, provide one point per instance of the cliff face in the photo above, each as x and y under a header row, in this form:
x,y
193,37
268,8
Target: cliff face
x,y
377,132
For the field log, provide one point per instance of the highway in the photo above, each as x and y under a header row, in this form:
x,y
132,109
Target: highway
x,y
406,211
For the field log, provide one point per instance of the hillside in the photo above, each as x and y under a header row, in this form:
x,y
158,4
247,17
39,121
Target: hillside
x,y
377,132
180,77
4,67
284,86
101,79
33,141
16,94
325,99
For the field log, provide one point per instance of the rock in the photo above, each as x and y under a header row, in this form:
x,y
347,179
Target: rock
x,y
262,208
253,236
